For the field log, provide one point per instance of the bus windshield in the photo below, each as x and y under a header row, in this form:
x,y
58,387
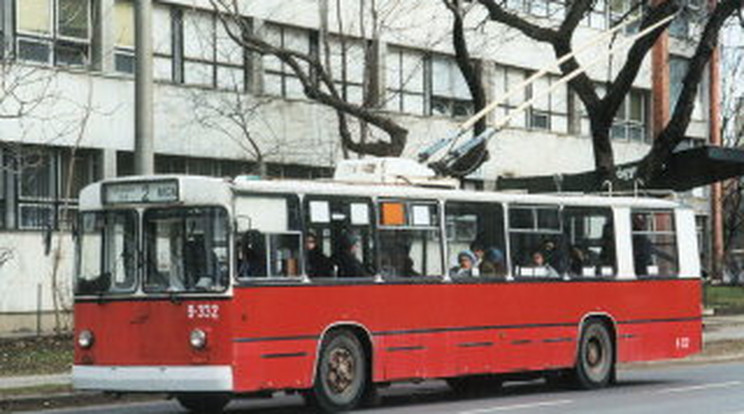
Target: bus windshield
x,y
186,250
106,252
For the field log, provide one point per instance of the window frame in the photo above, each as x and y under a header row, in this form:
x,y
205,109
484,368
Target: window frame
x,y
396,94
285,73
435,227
53,40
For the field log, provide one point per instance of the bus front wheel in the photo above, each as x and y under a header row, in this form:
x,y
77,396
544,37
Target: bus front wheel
x,y
341,375
596,360
203,403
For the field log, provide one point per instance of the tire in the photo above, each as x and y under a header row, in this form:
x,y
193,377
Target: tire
x,y
203,403
595,364
341,377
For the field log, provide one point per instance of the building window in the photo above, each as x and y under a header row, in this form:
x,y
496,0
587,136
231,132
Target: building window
x,y
597,18
76,170
682,25
630,120
623,9
677,70
450,95
163,20
36,188
124,36
405,80
47,185
505,79
348,60
54,31
549,111
279,78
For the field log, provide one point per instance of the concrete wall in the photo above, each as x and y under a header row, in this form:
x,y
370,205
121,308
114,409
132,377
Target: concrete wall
x,y
26,280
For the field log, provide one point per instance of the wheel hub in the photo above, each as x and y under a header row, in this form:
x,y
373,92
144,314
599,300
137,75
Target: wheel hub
x,y
340,370
593,353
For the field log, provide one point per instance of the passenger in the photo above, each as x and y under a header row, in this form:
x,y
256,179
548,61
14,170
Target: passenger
x,y
408,269
252,257
479,250
466,265
577,261
318,264
538,262
607,254
346,257
493,264
642,248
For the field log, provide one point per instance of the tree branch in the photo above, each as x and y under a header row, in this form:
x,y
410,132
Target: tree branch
x,y
497,13
653,163
312,89
622,83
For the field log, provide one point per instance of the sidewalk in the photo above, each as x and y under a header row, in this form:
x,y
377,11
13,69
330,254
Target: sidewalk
x,y
8,383
722,328
716,328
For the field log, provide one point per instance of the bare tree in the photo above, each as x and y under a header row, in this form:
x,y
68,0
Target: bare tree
x,y
472,74
233,115
601,111
319,85
23,90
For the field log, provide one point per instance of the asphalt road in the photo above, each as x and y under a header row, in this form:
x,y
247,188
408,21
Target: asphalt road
x,y
713,388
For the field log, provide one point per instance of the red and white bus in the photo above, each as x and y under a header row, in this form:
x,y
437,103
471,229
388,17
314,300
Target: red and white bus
x,y
207,288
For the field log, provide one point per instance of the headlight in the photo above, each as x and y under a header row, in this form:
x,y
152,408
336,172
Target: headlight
x,y
198,339
85,339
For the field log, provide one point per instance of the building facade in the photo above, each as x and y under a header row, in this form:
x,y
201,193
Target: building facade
x,y
67,107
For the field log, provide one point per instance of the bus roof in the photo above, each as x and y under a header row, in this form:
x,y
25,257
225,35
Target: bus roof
x,y
205,190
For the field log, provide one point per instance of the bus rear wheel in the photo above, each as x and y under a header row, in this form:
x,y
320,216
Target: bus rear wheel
x,y
595,365
341,375
203,403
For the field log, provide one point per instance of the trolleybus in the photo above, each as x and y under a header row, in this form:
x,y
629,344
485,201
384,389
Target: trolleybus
x,y
209,288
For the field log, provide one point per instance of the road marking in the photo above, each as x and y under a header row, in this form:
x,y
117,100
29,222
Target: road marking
x,y
517,407
700,387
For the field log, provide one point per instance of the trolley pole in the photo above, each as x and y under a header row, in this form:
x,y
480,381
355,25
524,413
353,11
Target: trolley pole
x,y
144,159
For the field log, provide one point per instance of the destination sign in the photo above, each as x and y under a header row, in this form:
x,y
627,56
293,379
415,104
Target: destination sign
x,y
140,192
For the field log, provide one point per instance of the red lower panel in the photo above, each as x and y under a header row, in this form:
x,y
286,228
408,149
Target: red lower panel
x,y
270,334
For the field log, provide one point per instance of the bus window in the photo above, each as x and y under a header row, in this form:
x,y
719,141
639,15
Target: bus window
x,y
590,239
268,243
475,229
409,238
106,252
186,249
338,238
654,243
536,241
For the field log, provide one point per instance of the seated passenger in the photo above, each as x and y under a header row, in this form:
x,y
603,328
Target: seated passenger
x,y
577,261
346,257
252,257
318,264
479,250
493,264
466,265
541,267
408,269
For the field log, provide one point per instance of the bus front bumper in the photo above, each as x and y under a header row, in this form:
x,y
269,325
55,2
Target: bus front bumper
x,y
214,378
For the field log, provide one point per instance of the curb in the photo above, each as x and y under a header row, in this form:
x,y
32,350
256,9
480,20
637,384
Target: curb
x,y
68,399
